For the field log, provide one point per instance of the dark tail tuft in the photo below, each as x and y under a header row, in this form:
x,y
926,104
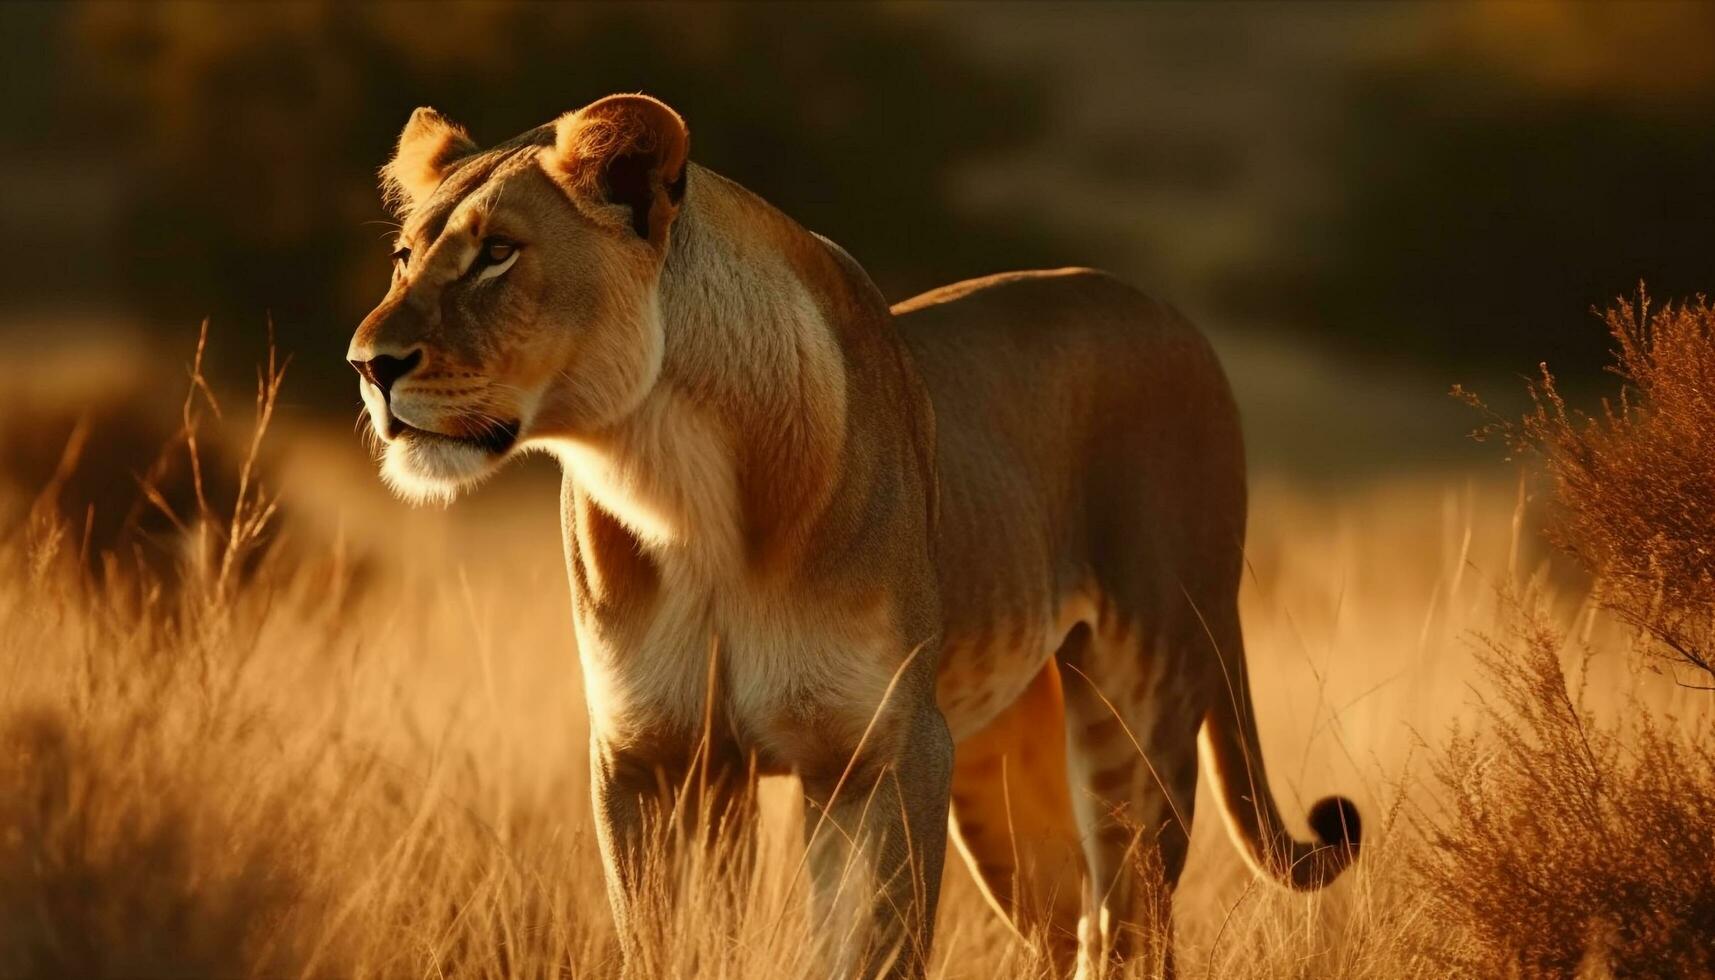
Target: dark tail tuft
x,y
1336,823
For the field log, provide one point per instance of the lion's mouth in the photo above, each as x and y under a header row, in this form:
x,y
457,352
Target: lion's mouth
x,y
489,436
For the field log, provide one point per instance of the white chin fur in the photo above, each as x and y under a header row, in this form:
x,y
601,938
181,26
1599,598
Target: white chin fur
x,y
421,471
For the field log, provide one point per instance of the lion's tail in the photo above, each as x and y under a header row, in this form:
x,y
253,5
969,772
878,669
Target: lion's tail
x,y
1232,759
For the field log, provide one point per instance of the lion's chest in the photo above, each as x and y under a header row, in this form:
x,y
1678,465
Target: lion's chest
x,y
788,678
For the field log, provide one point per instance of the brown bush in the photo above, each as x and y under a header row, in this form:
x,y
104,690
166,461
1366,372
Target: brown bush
x,y
1571,846
1634,485
1567,845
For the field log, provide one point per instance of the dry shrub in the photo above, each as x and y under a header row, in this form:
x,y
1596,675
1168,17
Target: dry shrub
x,y
1568,844
1634,485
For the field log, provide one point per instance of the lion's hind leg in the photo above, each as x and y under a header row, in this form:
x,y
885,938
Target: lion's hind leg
x,y
1013,820
1134,703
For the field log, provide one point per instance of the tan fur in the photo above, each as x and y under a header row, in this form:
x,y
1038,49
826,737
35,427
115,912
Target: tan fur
x,y
1009,512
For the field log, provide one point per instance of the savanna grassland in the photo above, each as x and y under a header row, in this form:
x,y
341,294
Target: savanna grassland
x,y
298,729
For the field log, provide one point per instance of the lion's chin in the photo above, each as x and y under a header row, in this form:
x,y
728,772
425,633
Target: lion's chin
x,y
424,469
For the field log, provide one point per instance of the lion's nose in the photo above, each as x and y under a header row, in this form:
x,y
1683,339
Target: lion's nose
x,y
384,369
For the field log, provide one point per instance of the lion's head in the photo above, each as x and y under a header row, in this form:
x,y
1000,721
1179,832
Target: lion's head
x,y
523,301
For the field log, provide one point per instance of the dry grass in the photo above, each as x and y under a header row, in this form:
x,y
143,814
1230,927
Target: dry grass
x,y
365,756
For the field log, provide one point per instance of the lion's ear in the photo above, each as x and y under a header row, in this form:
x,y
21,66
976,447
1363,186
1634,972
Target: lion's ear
x,y
625,150
428,147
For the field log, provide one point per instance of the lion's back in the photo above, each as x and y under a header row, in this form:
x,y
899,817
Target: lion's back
x,y
1057,355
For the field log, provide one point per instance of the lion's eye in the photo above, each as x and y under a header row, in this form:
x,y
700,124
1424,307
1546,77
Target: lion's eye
x,y
401,257
496,256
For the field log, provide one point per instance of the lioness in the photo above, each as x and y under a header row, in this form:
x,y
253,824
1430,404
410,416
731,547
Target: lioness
x,y
1005,516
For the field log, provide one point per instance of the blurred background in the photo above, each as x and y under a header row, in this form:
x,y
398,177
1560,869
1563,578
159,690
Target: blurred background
x,y
1363,203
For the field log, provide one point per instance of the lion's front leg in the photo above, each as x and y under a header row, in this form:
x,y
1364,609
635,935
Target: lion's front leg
x,y
622,803
651,815
877,833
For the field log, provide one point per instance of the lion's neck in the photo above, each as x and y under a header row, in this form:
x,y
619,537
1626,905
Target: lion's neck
x,y
736,451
